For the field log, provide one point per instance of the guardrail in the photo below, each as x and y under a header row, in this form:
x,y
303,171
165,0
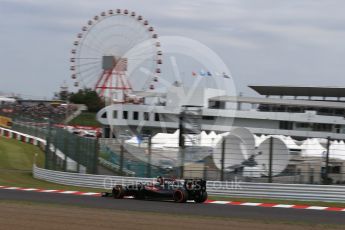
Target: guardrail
x,y
8,133
227,188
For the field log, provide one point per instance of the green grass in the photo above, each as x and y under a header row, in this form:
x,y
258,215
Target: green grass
x,y
86,119
15,155
16,160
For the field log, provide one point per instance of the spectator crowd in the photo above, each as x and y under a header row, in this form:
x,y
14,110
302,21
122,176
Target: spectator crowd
x,y
57,112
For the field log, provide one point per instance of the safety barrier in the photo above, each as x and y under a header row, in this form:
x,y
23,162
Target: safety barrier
x,y
217,188
8,133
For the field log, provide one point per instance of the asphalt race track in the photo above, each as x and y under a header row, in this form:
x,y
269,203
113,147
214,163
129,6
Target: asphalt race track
x,y
243,212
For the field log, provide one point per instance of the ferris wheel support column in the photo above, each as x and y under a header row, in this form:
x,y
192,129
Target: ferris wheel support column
x,y
103,87
99,80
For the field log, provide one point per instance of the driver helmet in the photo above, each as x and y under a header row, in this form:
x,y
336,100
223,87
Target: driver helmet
x,y
160,180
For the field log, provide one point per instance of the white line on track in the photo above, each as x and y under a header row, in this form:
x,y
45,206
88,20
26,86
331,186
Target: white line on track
x,y
283,206
316,208
29,189
89,193
220,202
251,204
12,188
68,192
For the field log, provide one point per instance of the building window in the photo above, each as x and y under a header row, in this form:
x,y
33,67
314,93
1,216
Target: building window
x,y
322,127
294,110
125,115
337,128
104,115
216,104
115,114
287,125
157,117
208,118
302,125
340,112
135,115
146,116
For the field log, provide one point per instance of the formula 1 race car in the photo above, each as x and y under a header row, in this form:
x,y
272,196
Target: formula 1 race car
x,y
163,189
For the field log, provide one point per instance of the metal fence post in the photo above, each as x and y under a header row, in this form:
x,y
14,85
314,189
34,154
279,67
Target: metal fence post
x,y
222,161
54,154
181,145
122,150
149,156
77,152
47,149
96,155
326,170
270,161
65,150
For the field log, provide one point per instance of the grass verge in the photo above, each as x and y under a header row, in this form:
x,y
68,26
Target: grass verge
x,y
16,160
86,119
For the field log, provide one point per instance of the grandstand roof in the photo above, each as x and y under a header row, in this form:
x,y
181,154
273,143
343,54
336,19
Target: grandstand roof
x,y
308,91
7,99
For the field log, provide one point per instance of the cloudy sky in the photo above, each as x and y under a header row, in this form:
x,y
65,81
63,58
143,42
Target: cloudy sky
x,y
295,42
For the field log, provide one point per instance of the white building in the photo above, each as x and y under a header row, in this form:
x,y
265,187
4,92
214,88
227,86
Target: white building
x,y
299,112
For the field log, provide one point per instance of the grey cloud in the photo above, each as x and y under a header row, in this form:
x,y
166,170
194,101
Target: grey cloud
x,y
262,41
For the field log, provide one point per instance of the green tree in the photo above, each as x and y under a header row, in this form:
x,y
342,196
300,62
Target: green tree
x,y
88,97
62,95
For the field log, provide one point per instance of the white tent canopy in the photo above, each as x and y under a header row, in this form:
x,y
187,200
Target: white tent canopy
x,y
260,139
289,142
312,148
337,150
7,99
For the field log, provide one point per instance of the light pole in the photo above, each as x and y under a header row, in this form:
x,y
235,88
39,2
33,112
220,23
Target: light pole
x,y
48,141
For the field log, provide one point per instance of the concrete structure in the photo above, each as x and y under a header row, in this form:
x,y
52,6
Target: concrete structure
x,y
296,117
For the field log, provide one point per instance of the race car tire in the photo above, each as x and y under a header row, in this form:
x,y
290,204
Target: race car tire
x,y
201,198
118,192
180,196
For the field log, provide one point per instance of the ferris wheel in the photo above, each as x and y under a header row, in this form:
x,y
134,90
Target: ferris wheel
x,y
111,49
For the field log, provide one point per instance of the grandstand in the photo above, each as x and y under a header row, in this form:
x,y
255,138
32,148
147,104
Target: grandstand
x,y
37,110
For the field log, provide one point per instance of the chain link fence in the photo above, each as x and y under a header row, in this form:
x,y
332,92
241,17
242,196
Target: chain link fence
x,y
64,150
307,162
272,162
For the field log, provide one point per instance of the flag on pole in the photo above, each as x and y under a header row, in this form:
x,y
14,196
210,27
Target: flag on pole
x,y
225,75
202,73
